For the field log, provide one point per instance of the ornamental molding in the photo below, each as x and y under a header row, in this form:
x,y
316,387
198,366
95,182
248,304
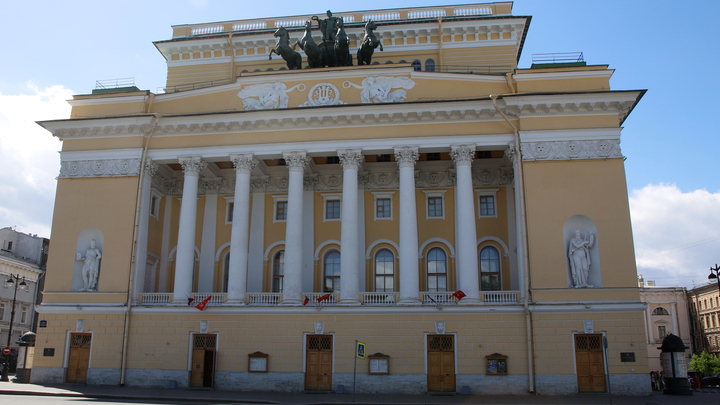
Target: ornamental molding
x,y
492,177
377,89
323,94
351,159
267,96
99,168
463,154
569,150
341,116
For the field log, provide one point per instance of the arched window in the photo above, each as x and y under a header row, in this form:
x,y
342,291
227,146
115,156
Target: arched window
x,y
417,65
436,270
490,269
430,65
660,311
384,271
278,271
226,272
332,272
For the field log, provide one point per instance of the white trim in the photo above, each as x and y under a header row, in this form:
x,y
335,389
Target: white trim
x,y
228,201
433,240
218,253
370,248
154,193
603,73
270,249
571,135
321,246
276,199
506,250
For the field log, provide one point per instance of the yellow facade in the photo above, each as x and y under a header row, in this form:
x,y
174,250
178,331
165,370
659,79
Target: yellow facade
x,y
316,207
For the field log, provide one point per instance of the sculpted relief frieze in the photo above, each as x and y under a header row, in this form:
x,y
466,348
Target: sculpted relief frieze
x,y
267,96
378,89
565,150
100,168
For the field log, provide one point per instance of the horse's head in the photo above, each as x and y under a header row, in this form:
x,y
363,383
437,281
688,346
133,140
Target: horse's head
x,y
280,32
370,25
308,24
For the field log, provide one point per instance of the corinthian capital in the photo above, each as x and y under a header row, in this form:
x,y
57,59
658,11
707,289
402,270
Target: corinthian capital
x,y
463,154
243,164
192,165
406,156
350,158
296,160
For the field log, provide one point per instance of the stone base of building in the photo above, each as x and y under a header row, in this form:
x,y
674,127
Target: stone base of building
x,y
475,384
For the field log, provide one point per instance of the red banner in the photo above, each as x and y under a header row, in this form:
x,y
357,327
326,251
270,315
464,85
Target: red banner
x,y
203,303
324,297
459,294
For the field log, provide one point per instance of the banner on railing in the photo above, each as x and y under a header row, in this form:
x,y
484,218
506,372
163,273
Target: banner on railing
x,y
201,306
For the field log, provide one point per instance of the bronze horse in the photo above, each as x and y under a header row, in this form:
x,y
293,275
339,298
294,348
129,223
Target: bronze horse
x,y
369,43
342,46
282,48
309,46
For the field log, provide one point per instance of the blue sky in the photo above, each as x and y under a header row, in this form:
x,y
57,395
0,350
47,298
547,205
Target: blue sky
x,y
55,49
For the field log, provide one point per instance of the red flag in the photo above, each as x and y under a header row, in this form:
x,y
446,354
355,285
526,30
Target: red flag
x,y
306,300
203,303
324,297
459,294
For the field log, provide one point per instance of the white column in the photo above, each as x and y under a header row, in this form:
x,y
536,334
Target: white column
x,y
142,232
239,238
165,246
409,279
467,256
292,283
349,256
206,277
513,156
185,263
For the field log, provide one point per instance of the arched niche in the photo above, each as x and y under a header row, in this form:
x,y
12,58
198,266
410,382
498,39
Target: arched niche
x,y
84,241
588,234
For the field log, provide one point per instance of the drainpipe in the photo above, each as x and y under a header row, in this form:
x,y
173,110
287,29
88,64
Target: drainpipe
x,y
524,239
131,277
440,44
232,57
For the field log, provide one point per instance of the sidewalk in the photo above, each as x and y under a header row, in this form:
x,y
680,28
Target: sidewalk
x,y
192,395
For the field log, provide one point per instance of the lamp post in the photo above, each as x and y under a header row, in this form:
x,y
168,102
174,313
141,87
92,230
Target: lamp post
x,y
714,274
12,282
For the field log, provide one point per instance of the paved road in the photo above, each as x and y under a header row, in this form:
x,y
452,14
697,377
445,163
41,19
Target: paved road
x,y
114,394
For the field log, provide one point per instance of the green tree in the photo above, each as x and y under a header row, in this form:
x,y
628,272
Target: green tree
x,y
705,363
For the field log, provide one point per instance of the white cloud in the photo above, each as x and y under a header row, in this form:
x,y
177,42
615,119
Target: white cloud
x,y
29,160
677,235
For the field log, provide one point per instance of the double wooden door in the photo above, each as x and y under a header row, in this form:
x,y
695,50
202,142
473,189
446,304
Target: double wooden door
x,y
318,363
203,360
78,358
590,363
441,363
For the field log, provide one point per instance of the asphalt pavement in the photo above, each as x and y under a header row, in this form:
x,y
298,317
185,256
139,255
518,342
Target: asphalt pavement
x,y
699,397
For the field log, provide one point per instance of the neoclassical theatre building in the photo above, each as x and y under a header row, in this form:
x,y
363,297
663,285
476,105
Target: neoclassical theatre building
x,y
465,218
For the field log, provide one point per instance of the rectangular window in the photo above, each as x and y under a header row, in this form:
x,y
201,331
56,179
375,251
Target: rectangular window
x,y
487,206
435,208
230,212
382,206
281,211
2,311
332,209
23,314
153,206
9,246
662,331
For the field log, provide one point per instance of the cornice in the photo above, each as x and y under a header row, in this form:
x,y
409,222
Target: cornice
x,y
570,150
580,74
356,115
107,100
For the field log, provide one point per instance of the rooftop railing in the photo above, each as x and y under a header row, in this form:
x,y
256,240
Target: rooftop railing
x,y
566,57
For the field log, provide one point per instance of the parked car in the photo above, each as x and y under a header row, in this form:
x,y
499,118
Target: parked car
x,y
713,381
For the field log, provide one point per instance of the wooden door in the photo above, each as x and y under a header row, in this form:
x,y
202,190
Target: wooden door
x,y
441,363
590,363
203,361
78,358
318,363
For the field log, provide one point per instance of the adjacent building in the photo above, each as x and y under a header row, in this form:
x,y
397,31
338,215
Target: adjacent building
x,y
465,218
704,305
667,312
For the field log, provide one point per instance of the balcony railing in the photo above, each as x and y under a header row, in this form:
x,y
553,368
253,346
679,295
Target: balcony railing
x,y
366,298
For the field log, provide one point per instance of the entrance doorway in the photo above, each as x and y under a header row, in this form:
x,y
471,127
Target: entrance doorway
x,y
590,363
78,358
203,361
441,363
318,363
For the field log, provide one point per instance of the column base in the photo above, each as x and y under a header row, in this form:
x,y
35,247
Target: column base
x,y
409,301
349,302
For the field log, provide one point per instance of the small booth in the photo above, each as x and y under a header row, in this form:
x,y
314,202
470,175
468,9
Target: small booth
x,y
672,358
25,357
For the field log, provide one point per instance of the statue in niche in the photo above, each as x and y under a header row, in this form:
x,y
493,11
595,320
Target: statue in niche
x,y
369,43
283,48
308,45
91,267
579,254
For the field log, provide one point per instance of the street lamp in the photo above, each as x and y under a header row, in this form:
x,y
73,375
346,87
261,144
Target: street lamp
x,y
12,282
714,274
